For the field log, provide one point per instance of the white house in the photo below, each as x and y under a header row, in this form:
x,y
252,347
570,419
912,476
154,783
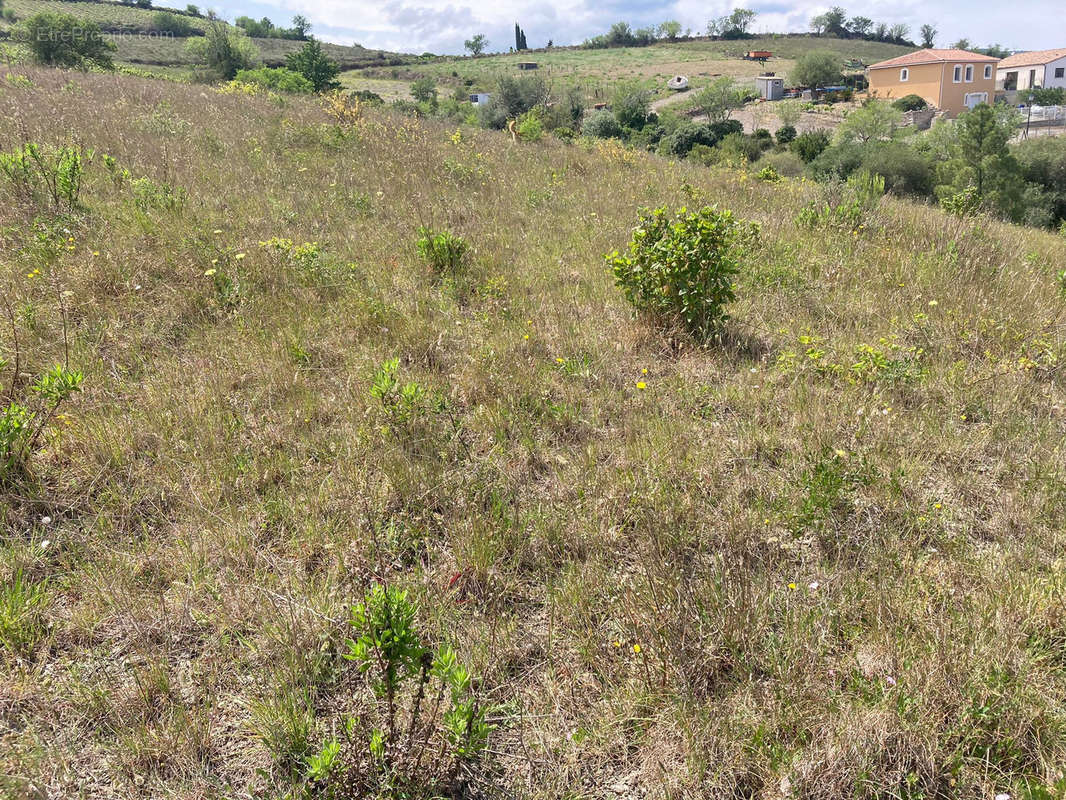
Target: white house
x,y
1044,68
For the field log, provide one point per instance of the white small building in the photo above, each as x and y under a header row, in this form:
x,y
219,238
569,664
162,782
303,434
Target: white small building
x,y
1043,68
770,87
480,99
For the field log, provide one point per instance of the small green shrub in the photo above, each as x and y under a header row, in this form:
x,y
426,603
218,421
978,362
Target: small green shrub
x,y
38,173
785,134
962,204
442,250
284,722
736,148
401,403
279,79
22,606
910,102
785,163
174,24
829,485
601,125
428,728
564,133
16,423
367,96
680,268
846,205
529,127
223,50
64,40
21,426
147,195
315,66
769,174
810,145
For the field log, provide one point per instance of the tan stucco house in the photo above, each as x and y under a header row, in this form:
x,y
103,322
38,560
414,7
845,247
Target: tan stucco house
x,y
951,80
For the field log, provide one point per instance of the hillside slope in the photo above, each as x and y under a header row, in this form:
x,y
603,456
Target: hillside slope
x,y
597,71
819,558
134,34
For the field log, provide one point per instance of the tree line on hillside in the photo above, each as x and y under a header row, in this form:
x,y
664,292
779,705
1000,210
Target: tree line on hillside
x,y
836,22
737,25
265,29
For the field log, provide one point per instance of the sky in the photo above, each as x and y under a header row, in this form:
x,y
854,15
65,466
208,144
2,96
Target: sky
x,y
441,26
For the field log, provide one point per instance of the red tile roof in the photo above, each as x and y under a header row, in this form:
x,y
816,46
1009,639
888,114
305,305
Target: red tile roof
x,y
1033,58
931,56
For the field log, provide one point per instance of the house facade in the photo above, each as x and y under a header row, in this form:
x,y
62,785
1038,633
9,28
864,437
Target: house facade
x,y
950,80
1043,68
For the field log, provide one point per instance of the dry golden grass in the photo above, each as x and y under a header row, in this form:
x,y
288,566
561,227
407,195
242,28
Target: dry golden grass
x,y
788,567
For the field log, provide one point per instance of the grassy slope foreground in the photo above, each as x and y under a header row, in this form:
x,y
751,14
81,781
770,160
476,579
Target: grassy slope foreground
x,y
821,559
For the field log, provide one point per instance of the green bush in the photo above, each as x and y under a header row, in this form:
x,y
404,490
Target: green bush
x,y
786,163
529,127
631,105
1042,161
769,174
837,162
702,154
311,62
817,68
601,124
174,24
442,250
21,427
681,141
424,90
963,203
64,40
223,50
680,268
148,195
905,170
367,96
810,145
428,723
648,137
738,147
845,205
910,102
280,79
785,134
512,98
55,173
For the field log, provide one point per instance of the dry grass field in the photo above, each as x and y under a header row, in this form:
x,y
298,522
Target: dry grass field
x,y
819,557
